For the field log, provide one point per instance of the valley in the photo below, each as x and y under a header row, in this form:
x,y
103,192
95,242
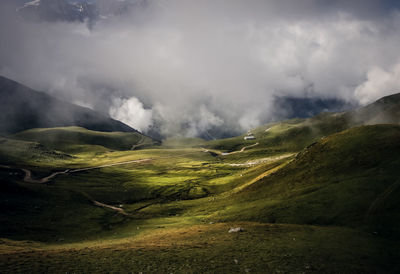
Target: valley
x,y
316,195
175,137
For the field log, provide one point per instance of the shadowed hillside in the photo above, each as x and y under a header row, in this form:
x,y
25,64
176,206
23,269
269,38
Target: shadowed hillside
x,y
23,108
336,181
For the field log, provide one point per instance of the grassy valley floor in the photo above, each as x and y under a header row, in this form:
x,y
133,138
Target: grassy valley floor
x,y
329,207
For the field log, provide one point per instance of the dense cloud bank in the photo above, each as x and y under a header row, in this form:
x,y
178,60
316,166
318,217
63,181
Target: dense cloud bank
x,y
208,67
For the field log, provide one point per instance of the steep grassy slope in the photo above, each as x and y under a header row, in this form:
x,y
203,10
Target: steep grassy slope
x,y
76,138
23,108
347,179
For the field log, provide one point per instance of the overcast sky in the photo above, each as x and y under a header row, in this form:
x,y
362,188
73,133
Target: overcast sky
x,y
190,66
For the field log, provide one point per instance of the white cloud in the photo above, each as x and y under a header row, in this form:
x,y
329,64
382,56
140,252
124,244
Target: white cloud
x,y
131,112
380,82
231,57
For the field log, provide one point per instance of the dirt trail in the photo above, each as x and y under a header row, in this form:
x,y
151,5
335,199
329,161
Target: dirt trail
x,y
103,205
28,174
139,143
264,160
117,209
246,147
229,153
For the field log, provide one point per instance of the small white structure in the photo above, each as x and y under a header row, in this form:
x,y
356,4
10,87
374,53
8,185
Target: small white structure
x,y
249,136
235,230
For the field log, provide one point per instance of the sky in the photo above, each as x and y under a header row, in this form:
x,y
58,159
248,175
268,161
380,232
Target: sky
x,y
188,67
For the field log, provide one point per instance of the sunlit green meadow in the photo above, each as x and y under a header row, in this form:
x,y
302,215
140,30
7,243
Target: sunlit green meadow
x,y
303,203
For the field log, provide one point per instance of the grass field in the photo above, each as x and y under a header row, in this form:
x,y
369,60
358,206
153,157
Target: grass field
x,y
310,197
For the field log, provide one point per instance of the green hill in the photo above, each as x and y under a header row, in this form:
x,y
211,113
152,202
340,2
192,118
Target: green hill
x,y
348,179
295,134
384,111
75,139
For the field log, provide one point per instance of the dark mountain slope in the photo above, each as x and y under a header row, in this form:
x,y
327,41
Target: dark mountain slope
x,y
348,179
23,108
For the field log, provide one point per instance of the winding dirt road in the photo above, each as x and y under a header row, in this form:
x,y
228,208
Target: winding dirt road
x,y
246,147
229,153
264,160
118,209
28,176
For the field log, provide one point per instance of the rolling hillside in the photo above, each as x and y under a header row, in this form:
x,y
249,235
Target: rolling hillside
x,y
332,208
296,134
337,181
77,138
384,111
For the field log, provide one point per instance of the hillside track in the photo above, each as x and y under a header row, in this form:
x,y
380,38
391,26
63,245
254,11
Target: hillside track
x,y
28,176
230,153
